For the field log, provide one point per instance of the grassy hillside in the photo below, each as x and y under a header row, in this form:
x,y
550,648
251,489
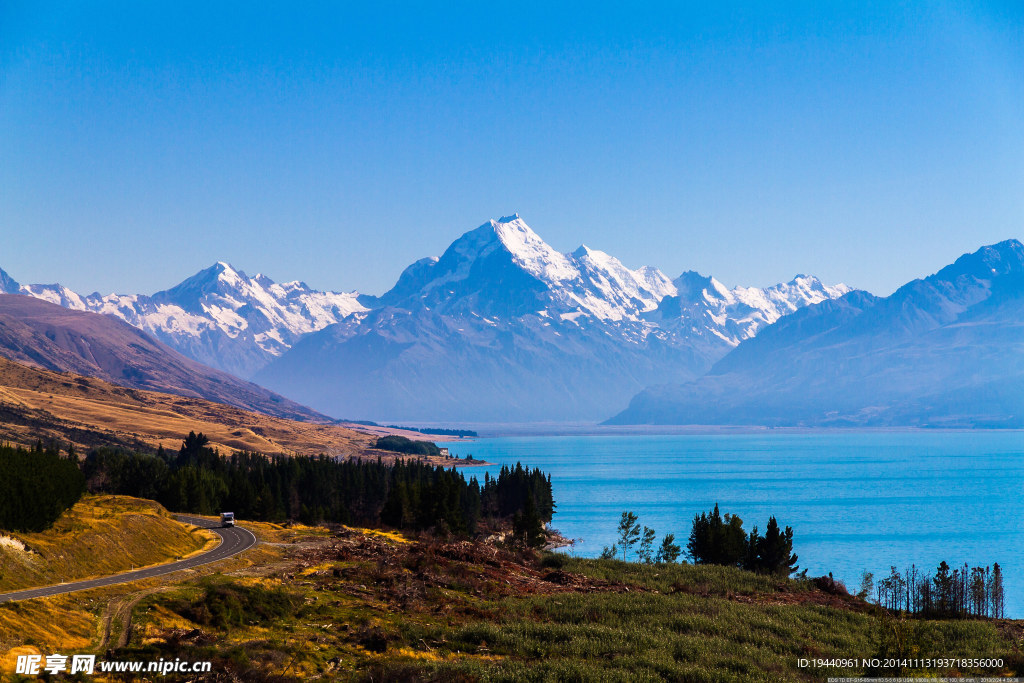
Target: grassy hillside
x,y
89,412
366,605
97,620
45,335
100,535
369,607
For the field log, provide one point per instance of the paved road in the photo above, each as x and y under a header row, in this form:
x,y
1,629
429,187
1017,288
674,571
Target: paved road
x,y
233,541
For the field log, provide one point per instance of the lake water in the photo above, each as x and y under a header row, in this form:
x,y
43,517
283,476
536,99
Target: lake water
x,y
856,500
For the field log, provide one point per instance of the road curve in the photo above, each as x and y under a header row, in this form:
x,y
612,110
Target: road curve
x,y
233,540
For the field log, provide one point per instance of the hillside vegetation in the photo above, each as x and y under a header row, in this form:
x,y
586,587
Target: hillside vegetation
x,y
365,605
100,535
362,606
89,412
46,335
37,486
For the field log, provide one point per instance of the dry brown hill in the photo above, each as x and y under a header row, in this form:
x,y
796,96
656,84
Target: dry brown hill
x,y
89,412
51,337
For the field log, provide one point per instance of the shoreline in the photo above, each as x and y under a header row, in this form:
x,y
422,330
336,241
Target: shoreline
x,y
512,430
379,431
392,456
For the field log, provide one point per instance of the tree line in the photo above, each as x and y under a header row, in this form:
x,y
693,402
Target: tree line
x,y
36,486
407,495
630,535
714,539
400,444
947,594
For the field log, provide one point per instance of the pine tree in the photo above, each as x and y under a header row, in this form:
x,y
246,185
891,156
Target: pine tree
x,y
528,527
669,550
751,560
714,540
943,583
776,550
996,593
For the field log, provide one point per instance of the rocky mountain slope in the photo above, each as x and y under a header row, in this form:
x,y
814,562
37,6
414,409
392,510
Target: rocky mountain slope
x,y
504,328
220,316
51,337
946,350
501,327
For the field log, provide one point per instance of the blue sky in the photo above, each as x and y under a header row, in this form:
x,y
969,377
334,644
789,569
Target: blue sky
x,y
336,143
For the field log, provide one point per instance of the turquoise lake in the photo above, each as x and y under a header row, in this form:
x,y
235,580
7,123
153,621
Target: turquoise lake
x,y
857,501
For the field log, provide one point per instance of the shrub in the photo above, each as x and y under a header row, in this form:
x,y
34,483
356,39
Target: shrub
x,y
223,605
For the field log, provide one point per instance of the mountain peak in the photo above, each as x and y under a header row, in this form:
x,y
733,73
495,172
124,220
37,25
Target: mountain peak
x,y
692,286
987,262
227,273
8,285
219,279
531,252
221,270
1005,256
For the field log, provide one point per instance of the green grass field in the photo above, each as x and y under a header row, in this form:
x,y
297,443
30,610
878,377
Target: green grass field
x,y
407,612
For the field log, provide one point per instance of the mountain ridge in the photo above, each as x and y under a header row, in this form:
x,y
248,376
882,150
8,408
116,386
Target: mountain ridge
x,y
502,327
220,316
543,334
912,358
51,337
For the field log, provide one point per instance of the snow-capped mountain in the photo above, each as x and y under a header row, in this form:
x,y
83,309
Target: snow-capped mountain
x,y
945,350
41,334
590,283
502,327
504,268
219,316
700,306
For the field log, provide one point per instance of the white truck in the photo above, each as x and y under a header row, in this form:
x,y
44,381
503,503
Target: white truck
x,y
227,519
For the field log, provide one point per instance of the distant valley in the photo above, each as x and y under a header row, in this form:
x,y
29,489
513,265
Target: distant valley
x,y
500,328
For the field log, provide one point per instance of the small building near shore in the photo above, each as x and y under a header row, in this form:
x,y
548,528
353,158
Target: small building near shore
x,y
444,452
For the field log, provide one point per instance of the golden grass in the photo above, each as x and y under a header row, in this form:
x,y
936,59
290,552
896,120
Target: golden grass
x,y
100,535
392,536
86,403
50,624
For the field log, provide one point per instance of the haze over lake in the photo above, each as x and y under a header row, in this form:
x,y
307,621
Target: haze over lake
x,y
856,500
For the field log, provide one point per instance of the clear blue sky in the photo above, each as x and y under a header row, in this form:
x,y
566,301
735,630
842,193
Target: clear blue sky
x,y
336,143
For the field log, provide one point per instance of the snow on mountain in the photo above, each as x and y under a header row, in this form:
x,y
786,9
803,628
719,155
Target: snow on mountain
x,y
500,327
702,305
505,256
503,327
530,251
945,350
56,294
219,316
